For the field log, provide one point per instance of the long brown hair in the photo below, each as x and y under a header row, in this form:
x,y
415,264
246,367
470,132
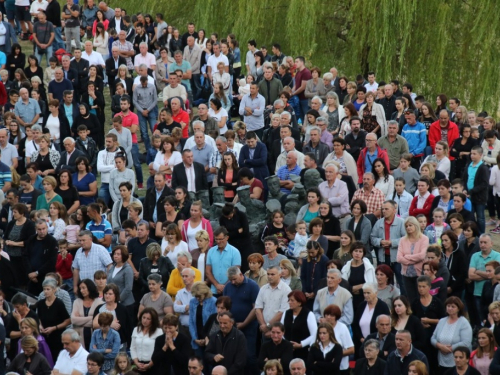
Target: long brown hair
x,y
491,339
155,323
234,163
330,331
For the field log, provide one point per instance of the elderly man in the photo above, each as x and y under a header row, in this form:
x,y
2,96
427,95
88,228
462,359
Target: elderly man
x,y
202,151
176,280
183,297
278,135
112,64
325,136
443,130
199,126
336,192
93,57
334,294
27,110
73,359
125,48
368,155
373,197
218,155
69,156
316,104
70,73
252,109
270,87
174,89
394,144
142,71
109,13
388,102
384,336
8,151
146,104
318,148
192,54
399,360
70,15
288,146
58,85
355,140
43,37
297,367
285,171
146,58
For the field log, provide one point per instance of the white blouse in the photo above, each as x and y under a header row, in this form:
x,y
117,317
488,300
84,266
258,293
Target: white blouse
x,y
174,159
386,187
143,345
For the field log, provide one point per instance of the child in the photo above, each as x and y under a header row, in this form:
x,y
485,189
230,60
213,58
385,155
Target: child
x,y
116,98
50,71
42,214
434,230
100,279
88,146
409,174
422,221
277,228
474,133
244,86
122,364
13,97
72,230
402,198
63,266
291,231
300,239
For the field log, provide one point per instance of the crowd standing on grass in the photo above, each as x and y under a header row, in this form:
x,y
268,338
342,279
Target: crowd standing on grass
x,y
386,266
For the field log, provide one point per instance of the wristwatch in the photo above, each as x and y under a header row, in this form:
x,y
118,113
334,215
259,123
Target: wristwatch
x,y
268,325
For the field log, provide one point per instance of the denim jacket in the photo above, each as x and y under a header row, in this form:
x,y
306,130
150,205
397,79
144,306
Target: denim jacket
x,y
99,344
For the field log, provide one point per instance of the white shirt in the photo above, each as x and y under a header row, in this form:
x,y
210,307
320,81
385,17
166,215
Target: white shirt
x,y
137,80
174,159
217,117
149,60
172,255
142,344
182,299
325,350
191,237
191,144
271,300
311,325
214,60
54,126
343,336
371,87
421,199
31,147
36,6
95,58
191,177
66,364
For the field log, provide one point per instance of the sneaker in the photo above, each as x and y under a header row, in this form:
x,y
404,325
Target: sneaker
x,y
140,186
492,222
496,230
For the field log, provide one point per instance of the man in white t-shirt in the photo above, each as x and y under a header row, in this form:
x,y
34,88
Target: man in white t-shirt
x,y
73,359
93,57
36,7
371,85
143,72
213,60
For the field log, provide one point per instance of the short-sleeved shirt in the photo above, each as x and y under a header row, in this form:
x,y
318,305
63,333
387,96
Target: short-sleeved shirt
x,y
149,60
284,173
57,89
163,301
73,21
66,364
243,298
43,31
166,129
214,60
221,261
273,300
478,262
128,121
5,174
27,111
84,185
303,75
100,230
8,153
97,259
182,116
185,66
137,250
3,58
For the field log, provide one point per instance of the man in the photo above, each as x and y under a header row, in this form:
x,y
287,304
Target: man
x,y
112,64
394,144
89,16
371,85
272,301
43,36
215,59
384,336
70,15
80,65
476,179
250,59
385,236
192,55
443,130
125,49
272,258
219,259
161,25
315,146
218,155
153,203
99,227
285,171
89,258
186,69
174,89
233,357
253,155
12,198
355,140
140,36
325,136
27,110
179,115
146,58
288,146
146,104
277,348
334,294
183,298
69,108
176,280
297,367
105,164
117,21
399,360
416,136
195,366
21,311
189,174
388,102
368,155
243,293
8,151
198,126
137,250
93,57
70,74
302,75
252,109
69,156
373,197
36,7
124,135
270,87
59,85
73,359
336,192
278,57
311,163
202,152
209,122
408,89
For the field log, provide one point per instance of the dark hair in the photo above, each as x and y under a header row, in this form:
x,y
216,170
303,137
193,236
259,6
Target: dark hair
x,y
357,245
299,296
333,310
457,302
225,301
91,287
386,170
473,227
155,323
221,230
252,42
83,159
124,251
96,357
272,239
361,88
115,290
362,205
129,224
387,271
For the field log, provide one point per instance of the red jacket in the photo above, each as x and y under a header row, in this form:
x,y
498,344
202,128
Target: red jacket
x,y
435,135
414,211
382,154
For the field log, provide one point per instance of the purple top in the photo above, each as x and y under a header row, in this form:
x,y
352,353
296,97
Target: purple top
x,y
43,349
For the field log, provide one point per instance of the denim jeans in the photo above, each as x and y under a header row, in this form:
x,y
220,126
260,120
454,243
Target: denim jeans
x,y
58,42
304,107
137,162
396,268
104,193
48,54
478,209
195,86
152,119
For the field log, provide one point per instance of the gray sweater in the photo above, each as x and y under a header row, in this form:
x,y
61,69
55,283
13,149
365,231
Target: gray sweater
x,y
411,177
125,141
124,279
116,178
462,336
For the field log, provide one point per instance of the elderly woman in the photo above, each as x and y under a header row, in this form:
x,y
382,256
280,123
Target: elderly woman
x,y
154,263
334,112
451,332
411,254
403,318
43,201
315,86
385,281
46,158
157,298
199,254
343,158
54,317
61,294
325,355
256,272
372,363
30,361
300,324
373,116
201,306
313,269
83,310
289,275
359,225
120,212
29,327
366,314
121,274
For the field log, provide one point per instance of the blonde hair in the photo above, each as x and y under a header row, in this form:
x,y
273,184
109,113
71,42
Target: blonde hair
x,y
29,342
446,148
45,137
31,323
413,221
285,263
200,289
51,180
202,235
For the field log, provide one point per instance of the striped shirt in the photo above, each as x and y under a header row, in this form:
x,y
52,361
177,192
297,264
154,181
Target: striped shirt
x,y
100,230
5,174
284,173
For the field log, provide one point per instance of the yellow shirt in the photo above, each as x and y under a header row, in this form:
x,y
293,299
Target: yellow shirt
x,y
175,282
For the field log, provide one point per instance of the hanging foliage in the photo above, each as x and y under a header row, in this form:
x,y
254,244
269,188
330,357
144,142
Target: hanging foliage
x,y
447,46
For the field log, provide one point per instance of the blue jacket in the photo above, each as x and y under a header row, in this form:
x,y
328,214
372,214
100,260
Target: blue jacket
x,y
209,308
112,342
258,163
10,37
416,136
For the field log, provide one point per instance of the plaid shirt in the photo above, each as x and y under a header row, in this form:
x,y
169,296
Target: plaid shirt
x,y
374,199
125,47
97,259
216,159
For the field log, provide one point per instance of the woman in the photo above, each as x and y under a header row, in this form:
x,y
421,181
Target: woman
x,y
175,43
143,340
219,114
30,327
399,115
343,158
46,158
372,364
33,69
43,201
334,111
201,306
343,253
100,18
119,175
441,151
54,317
422,202
201,41
205,55
195,223
156,299
83,310
223,304
315,86
84,181
417,368
481,358
456,223
313,269
366,314
121,274
284,75
316,233
58,219
30,361
470,244
154,263
236,223
120,211
247,178
373,116
172,348
451,332
36,84
383,178
331,227
171,215
385,279
124,77
441,101
258,71
222,78
166,159
289,275
20,79
402,318
174,243
443,199
101,38
16,59
200,253
300,325
462,147
256,272
227,175
427,116
90,120
412,250
456,262
67,191
98,87
310,210
57,123
359,225
325,355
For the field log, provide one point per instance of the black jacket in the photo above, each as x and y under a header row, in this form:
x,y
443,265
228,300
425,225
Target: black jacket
x,y
399,366
53,13
458,266
111,71
71,166
355,144
234,351
362,367
72,76
381,308
90,152
414,325
282,351
389,345
50,250
324,364
221,180
179,177
165,268
321,151
112,24
479,193
389,105
177,359
150,202
82,66
75,113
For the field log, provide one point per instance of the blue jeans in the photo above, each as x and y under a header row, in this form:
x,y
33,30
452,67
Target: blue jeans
x,y
48,54
104,193
137,162
195,86
478,209
152,118
304,107
58,42
69,284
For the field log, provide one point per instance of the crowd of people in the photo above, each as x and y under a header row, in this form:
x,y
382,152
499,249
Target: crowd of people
x,y
385,267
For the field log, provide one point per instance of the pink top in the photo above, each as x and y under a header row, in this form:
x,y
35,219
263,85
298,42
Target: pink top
x,y
416,257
